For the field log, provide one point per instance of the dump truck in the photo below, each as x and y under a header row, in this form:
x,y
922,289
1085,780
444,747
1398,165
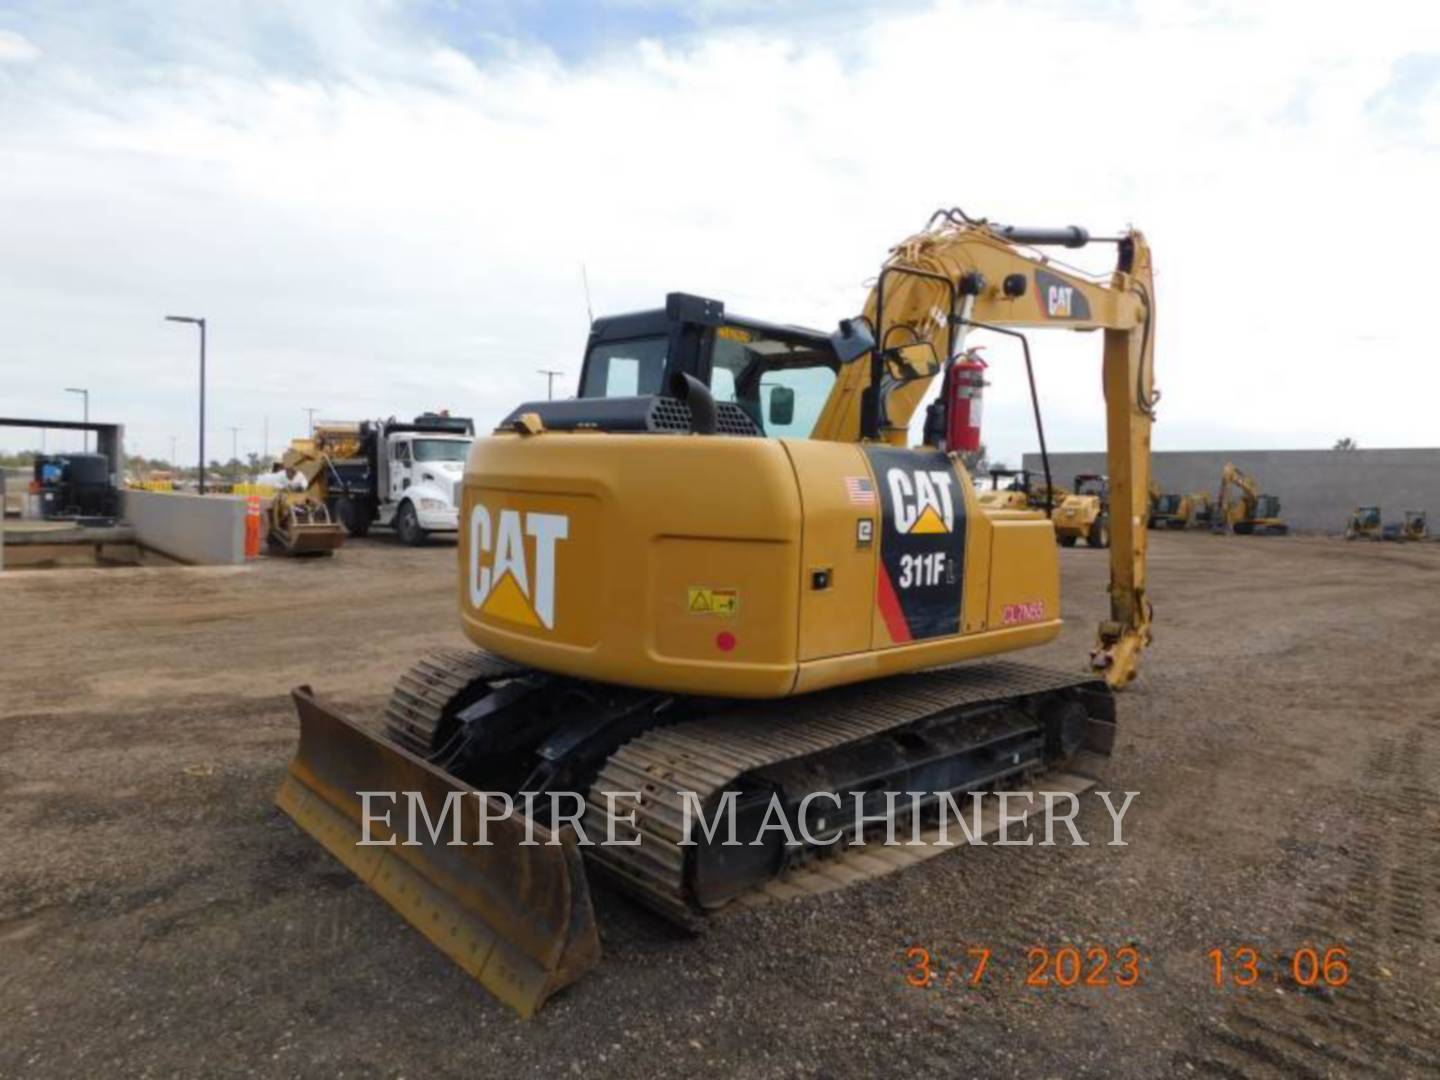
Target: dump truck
x,y
403,475
721,579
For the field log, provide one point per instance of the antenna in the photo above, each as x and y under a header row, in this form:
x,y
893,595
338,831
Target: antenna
x,y
584,277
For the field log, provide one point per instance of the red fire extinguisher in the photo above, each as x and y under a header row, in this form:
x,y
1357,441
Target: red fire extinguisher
x,y
964,391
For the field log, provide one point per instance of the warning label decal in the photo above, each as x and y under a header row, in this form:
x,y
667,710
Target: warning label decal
x,y
706,601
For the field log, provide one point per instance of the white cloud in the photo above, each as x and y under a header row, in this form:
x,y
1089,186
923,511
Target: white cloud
x,y
398,226
16,48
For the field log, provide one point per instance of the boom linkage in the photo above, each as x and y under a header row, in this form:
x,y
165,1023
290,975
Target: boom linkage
x,y
937,285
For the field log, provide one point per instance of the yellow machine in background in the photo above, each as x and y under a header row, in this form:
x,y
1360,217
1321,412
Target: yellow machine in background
x,y
1197,509
1414,527
1046,497
1085,514
298,522
1240,507
1363,524
1169,510
1009,490
721,573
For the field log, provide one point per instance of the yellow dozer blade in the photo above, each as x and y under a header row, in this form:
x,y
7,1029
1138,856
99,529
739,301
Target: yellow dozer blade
x,y
516,916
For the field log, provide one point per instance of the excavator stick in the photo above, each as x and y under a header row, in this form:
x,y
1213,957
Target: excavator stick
x,y
515,914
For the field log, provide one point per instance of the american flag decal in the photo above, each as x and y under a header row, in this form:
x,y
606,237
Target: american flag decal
x,y
860,490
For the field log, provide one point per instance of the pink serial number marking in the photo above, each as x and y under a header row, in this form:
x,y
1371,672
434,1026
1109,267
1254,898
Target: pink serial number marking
x,y
1023,613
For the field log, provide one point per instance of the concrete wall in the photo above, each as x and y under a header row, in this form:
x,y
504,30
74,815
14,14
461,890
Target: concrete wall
x,y
1317,488
15,486
206,530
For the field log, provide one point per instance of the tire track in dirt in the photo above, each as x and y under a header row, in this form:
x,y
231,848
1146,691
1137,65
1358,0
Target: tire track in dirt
x,y
1385,1020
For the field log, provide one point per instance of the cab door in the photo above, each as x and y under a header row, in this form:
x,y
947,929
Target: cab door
x,y
401,467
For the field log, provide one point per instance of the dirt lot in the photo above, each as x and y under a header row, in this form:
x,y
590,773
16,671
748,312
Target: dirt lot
x,y
159,916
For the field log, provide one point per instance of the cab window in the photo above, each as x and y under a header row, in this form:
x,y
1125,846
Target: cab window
x,y
782,385
626,368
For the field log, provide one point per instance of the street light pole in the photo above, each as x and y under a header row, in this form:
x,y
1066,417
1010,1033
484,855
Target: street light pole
x,y
86,393
200,323
310,413
550,382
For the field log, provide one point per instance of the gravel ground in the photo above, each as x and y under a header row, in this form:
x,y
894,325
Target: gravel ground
x,y
159,917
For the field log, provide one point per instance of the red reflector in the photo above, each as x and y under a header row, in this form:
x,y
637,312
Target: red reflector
x,y
725,641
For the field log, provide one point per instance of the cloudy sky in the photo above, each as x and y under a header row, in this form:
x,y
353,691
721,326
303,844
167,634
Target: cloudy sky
x,y
383,207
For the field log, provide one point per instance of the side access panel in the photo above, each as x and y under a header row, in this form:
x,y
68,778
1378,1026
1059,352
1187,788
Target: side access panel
x,y
841,516
1025,573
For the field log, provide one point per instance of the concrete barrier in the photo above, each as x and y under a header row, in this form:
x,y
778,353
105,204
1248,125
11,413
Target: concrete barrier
x,y
204,530
1317,488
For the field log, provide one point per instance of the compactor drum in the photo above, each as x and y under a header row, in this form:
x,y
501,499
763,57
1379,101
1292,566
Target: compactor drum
x,y
717,592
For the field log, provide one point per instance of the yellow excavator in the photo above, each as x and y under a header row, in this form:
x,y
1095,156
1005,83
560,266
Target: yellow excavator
x,y
1241,508
720,578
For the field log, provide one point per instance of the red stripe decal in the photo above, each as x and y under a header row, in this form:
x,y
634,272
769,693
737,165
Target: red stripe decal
x,y
889,605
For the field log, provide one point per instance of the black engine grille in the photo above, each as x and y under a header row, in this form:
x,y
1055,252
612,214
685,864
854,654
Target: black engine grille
x,y
647,413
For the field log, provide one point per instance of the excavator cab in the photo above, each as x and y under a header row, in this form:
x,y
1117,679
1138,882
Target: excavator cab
x,y
763,379
1267,507
1168,510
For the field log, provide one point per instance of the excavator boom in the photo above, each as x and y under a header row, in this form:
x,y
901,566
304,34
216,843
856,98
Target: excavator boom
x,y
959,275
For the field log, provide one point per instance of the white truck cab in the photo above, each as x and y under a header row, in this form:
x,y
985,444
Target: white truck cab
x,y
407,476
424,471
